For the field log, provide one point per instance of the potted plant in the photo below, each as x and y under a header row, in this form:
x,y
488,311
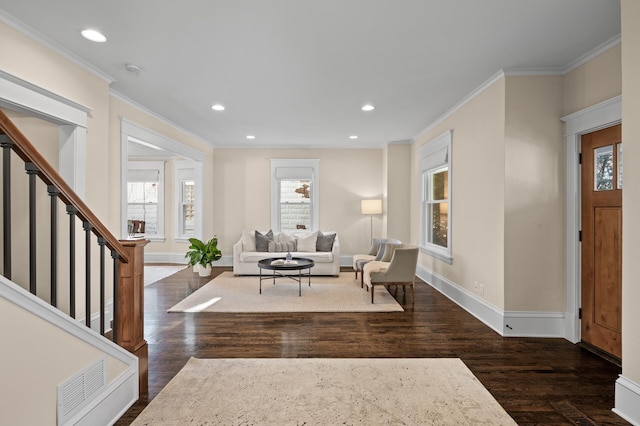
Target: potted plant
x,y
201,255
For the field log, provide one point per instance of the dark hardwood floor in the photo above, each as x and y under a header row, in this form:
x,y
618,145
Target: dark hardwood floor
x,y
537,381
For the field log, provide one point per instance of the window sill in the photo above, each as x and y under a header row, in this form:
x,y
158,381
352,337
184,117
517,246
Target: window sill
x,y
438,254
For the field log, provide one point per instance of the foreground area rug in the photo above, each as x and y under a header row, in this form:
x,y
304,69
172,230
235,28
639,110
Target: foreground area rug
x,y
227,293
324,392
153,273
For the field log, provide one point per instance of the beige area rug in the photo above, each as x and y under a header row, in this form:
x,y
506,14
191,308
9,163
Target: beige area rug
x,y
153,273
324,392
227,293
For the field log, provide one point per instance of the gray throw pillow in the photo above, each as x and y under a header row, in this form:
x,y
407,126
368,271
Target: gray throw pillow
x,y
325,241
262,240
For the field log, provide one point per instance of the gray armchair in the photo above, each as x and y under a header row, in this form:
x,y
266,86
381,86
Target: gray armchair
x,y
375,253
400,270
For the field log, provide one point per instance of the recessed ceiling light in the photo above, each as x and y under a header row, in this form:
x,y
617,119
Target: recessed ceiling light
x,y
368,107
217,107
132,68
93,35
353,137
250,137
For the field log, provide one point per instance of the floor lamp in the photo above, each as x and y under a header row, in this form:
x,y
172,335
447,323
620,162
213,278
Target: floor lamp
x,y
371,207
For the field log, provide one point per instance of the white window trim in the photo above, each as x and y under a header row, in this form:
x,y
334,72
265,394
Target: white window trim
x,y
314,164
197,204
433,155
131,129
153,165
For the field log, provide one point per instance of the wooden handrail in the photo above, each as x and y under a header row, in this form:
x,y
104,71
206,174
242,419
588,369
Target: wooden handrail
x,y
50,176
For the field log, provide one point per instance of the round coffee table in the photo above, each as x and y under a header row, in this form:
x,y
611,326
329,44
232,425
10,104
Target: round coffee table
x,y
279,266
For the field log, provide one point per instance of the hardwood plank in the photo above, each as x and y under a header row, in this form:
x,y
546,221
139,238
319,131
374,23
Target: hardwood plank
x,y
527,376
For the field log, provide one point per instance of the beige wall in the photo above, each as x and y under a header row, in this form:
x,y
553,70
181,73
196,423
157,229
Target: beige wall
x,y
28,60
27,378
45,137
398,191
118,110
534,242
595,81
243,192
631,192
38,65
478,193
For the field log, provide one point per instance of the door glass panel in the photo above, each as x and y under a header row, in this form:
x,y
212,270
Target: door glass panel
x,y
603,168
620,166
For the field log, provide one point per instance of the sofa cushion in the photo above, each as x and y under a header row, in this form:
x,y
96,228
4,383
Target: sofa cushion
x,y
307,242
325,241
318,257
262,240
286,238
275,246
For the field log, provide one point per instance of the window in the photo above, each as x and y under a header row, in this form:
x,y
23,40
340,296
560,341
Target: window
x,y
294,195
188,200
145,196
435,195
132,138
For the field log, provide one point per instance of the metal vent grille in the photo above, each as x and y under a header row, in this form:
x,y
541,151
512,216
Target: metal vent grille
x,y
75,392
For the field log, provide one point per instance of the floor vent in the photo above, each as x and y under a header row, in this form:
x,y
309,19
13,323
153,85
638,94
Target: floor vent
x,y
74,393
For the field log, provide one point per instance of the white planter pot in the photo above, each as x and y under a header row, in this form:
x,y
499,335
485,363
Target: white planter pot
x,y
203,271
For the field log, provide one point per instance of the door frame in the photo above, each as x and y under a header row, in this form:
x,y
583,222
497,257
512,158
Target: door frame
x,y
599,116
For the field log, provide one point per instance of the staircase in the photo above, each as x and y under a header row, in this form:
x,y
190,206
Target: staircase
x,y
69,316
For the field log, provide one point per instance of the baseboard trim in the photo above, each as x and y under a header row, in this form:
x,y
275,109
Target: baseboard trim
x,y
627,404
534,324
178,258
485,312
505,323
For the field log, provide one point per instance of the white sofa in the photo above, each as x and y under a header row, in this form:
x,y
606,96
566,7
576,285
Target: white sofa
x,y
245,256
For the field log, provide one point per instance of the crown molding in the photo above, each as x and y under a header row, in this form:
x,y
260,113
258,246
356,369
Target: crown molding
x,y
614,41
157,116
532,72
475,92
520,72
55,47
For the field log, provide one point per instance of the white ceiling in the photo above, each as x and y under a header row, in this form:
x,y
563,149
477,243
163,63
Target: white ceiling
x,y
295,73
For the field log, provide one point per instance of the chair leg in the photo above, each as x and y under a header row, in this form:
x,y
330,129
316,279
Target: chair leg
x,y
356,271
372,287
362,279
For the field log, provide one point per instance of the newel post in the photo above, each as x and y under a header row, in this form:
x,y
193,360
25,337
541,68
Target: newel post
x,y
130,309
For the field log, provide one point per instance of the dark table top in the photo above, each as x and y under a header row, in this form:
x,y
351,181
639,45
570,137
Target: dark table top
x,y
302,263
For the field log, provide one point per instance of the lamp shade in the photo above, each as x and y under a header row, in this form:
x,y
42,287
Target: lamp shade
x,y
371,206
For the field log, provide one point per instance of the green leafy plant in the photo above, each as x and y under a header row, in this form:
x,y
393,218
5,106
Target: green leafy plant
x,y
203,253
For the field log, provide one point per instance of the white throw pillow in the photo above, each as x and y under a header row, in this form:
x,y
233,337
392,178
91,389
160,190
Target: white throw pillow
x,y
286,238
307,242
249,241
